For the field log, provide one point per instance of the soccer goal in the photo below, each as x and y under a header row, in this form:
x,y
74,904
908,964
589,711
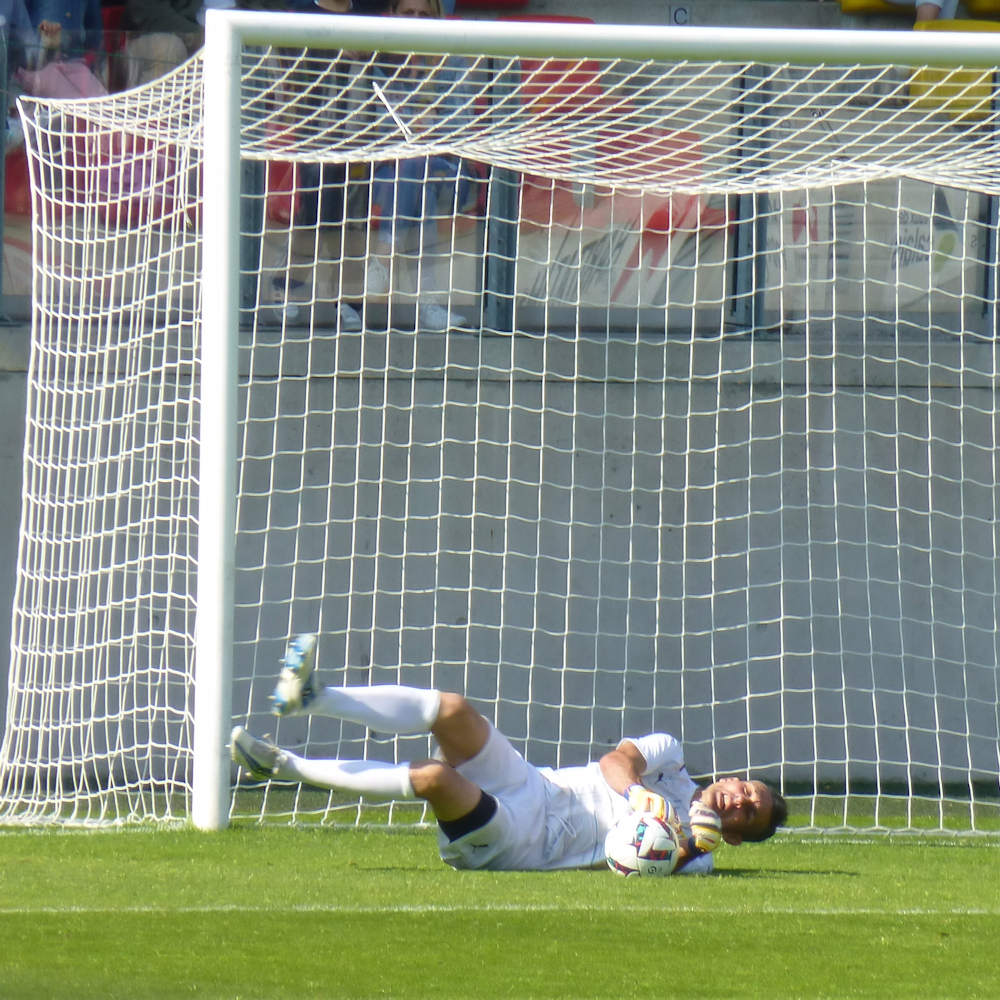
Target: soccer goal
x,y
621,378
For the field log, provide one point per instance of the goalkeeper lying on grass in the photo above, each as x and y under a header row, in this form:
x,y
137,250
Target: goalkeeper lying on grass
x,y
494,809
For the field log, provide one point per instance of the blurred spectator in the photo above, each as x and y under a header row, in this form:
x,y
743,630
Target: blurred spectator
x,y
318,226
71,33
68,27
169,31
415,194
63,76
359,7
179,17
23,49
148,57
21,37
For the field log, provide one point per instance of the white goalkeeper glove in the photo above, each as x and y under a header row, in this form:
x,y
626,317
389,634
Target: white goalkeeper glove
x,y
706,828
641,799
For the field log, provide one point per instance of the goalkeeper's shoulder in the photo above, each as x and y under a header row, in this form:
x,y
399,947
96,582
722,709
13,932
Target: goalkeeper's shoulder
x,y
658,750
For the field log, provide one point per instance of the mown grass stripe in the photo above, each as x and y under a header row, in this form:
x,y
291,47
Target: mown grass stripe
x,y
335,908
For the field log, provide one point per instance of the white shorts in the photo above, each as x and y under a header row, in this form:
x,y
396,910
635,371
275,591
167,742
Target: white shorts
x,y
514,839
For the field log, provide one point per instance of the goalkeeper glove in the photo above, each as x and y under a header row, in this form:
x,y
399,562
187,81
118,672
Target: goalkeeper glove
x,y
706,828
641,799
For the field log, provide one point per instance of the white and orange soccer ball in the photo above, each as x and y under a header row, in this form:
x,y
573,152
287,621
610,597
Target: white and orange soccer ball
x,y
643,844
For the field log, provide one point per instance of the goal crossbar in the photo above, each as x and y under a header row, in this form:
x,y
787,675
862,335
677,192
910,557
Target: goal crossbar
x,y
661,43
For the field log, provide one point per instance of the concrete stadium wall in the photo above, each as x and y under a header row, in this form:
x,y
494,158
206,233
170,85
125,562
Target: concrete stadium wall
x,y
794,554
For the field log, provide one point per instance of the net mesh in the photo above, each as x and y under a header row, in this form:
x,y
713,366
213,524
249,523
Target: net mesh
x,y
617,396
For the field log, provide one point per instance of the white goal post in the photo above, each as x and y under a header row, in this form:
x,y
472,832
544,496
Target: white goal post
x,y
705,442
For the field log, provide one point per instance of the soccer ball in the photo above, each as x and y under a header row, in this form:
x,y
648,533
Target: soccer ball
x,y
642,844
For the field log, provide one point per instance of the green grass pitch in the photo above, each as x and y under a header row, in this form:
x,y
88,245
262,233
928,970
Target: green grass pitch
x,y
282,912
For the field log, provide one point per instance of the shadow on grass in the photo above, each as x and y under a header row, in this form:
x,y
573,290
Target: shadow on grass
x,y
757,873
360,867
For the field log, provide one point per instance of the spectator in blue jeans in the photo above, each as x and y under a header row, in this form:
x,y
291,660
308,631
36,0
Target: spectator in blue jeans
x,y
319,220
414,195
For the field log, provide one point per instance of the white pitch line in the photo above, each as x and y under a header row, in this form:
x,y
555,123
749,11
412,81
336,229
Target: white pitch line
x,y
420,908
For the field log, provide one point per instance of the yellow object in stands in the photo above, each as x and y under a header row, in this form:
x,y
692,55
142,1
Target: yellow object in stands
x,y
961,93
983,8
871,7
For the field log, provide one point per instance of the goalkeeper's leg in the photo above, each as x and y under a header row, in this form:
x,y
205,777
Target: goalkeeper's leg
x,y
449,794
386,708
460,730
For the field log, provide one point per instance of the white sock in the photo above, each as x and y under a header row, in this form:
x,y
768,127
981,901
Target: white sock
x,y
366,777
386,708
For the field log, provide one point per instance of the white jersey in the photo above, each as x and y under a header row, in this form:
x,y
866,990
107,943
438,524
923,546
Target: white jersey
x,y
551,818
588,806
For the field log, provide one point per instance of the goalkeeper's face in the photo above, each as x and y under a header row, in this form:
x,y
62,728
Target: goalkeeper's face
x,y
743,806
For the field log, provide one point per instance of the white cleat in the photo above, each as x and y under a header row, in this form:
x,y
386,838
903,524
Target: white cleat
x,y
377,280
349,318
260,759
296,685
432,318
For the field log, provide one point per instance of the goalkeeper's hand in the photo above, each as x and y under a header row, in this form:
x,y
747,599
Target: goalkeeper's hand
x,y
641,799
706,828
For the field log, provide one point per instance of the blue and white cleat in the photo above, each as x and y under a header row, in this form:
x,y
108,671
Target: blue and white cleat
x,y
297,684
260,759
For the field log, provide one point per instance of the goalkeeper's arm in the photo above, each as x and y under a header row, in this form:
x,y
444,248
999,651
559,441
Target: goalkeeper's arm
x,y
623,769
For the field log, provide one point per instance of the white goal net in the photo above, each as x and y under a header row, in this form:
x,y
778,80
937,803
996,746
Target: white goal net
x,y
618,394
